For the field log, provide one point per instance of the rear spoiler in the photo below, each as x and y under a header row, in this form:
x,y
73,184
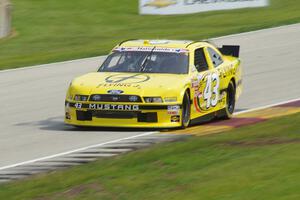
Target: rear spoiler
x,y
230,50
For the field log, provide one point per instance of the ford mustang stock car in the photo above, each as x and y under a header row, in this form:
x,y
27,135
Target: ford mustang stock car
x,y
157,83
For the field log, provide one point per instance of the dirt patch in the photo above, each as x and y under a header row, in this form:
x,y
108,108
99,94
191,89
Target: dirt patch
x,y
75,191
263,142
82,188
291,104
238,122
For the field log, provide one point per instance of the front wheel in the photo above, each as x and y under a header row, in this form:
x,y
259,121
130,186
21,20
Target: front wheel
x,y
186,111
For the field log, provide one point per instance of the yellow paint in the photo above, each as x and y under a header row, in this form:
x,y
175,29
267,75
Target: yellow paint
x,y
157,85
202,130
161,3
270,112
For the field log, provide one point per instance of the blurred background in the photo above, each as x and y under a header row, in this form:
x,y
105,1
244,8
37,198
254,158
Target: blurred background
x,y
252,162
45,31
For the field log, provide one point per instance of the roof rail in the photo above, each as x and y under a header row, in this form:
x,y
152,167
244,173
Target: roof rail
x,y
126,41
207,41
191,43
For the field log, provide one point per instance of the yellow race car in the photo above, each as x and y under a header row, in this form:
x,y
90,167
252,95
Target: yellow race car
x,y
157,83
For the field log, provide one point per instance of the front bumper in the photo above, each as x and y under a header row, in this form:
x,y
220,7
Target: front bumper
x,y
122,115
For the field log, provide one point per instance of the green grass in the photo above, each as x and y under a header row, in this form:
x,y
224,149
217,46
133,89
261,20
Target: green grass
x,y
256,162
56,30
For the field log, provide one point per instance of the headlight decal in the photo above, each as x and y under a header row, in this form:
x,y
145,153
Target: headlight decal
x,y
153,99
81,97
170,99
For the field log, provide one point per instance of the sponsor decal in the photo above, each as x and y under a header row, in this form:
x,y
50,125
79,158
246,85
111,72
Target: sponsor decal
x,y
199,77
173,110
133,98
196,81
122,107
149,49
160,3
119,85
115,91
222,98
115,98
175,118
96,97
67,111
171,7
227,71
127,79
68,115
113,107
195,84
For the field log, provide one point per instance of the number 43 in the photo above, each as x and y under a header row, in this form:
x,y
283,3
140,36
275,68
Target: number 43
x,y
211,91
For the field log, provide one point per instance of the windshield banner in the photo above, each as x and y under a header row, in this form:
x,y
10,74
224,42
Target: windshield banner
x,y
149,49
172,7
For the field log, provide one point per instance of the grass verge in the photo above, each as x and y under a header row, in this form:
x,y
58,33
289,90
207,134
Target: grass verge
x,y
255,162
54,30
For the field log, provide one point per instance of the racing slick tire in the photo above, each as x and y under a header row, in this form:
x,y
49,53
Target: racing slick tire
x,y
186,111
227,112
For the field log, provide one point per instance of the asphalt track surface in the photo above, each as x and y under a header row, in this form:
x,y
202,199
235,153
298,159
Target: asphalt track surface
x,y
32,99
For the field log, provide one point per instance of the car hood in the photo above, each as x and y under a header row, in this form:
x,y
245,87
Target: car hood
x,y
130,83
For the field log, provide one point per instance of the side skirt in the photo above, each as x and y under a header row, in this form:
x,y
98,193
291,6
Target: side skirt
x,y
203,119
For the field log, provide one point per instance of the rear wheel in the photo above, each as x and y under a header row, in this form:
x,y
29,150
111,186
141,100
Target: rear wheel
x,y
227,112
186,111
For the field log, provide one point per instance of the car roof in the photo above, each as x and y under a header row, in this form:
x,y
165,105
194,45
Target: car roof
x,y
184,44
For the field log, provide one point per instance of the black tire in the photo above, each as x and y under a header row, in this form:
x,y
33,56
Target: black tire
x,y
186,111
228,111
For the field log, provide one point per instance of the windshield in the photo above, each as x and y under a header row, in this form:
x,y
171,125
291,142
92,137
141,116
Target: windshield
x,y
146,62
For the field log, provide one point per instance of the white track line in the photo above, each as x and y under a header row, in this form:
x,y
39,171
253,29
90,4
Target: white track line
x,y
82,59
76,150
127,138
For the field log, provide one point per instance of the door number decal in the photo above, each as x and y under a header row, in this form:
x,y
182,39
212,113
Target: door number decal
x,y
211,91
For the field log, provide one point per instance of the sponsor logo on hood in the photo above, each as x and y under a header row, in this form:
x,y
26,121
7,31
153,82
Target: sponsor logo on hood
x,y
128,79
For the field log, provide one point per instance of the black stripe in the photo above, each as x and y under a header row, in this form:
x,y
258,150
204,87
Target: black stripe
x,y
141,107
160,107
